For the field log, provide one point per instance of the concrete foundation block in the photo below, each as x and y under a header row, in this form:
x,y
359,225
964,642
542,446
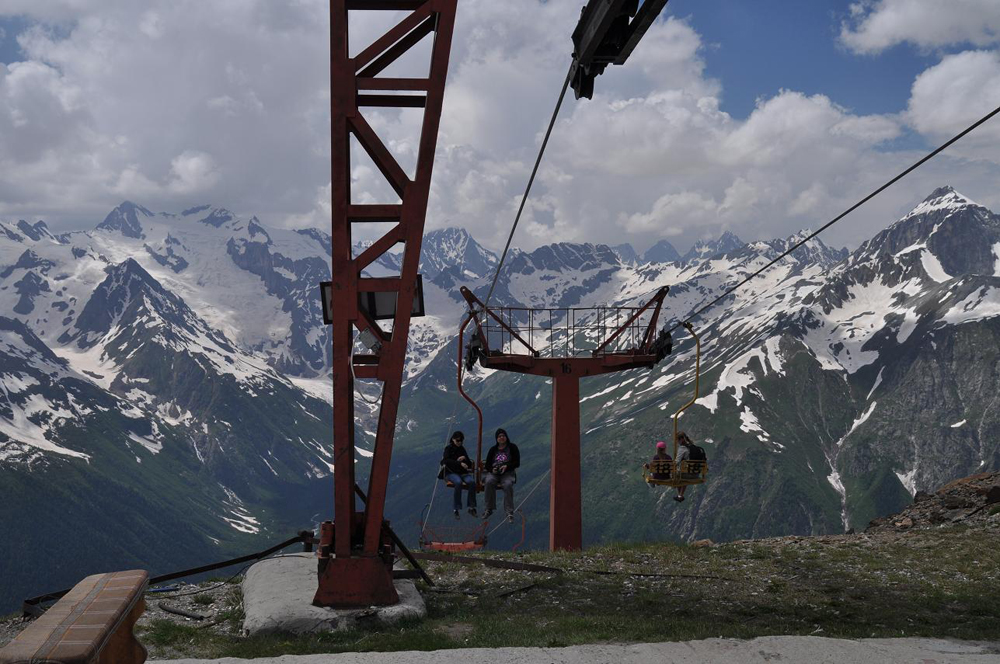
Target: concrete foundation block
x,y
278,594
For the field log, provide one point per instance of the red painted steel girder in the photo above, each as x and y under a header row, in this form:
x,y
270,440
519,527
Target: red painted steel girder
x,y
359,573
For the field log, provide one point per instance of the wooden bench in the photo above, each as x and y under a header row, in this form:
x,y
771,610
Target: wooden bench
x,y
91,624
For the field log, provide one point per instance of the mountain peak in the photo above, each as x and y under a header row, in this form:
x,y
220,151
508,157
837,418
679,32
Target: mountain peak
x,y
216,217
125,220
195,210
661,252
703,250
942,198
940,192
626,253
127,285
35,231
453,247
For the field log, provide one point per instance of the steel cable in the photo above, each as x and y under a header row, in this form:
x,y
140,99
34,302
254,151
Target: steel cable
x,y
524,199
523,500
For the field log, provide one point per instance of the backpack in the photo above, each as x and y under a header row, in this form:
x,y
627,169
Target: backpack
x,y
696,453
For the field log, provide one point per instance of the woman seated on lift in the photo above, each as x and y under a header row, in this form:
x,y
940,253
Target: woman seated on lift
x,y
456,467
661,455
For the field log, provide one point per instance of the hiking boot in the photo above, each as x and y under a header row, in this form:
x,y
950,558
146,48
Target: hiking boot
x,y
679,499
473,512
458,515
510,517
487,514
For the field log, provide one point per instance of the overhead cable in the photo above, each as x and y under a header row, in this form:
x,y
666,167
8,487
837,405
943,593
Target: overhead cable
x,y
524,199
843,214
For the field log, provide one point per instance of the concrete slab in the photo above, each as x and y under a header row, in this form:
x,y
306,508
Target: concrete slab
x,y
278,592
770,649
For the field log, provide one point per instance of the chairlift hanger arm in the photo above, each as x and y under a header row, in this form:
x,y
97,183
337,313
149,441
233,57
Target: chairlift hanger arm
x,y
607,33
479,438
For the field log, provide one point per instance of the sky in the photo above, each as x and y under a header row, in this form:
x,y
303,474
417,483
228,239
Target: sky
x,y
758,118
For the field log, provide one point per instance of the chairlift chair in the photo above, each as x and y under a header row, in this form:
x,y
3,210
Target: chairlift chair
x,y
689,471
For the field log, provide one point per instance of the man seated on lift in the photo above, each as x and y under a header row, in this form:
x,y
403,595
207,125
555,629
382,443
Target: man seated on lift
x,y
687,451
501,463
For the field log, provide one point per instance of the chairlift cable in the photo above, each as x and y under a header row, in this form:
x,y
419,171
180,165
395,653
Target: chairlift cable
x,y
524,199
523,500
430,507
851,209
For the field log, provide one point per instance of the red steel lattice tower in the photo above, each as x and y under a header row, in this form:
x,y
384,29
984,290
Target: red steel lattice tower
x,y
359,572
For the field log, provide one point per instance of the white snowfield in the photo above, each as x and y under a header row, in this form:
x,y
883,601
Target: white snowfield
x,y
769,649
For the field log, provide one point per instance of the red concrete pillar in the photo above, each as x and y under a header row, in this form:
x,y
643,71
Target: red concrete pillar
x,y
565,503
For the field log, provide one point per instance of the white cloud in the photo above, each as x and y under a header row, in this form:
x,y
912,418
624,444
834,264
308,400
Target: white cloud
x,y
192,172
686,205
876,26
953,94
174,104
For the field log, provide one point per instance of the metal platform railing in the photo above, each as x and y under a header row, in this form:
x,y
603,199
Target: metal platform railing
x,y
565,332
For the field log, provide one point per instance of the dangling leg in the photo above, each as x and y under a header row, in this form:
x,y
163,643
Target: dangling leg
x,y
491,494
508,495
470,482
456,503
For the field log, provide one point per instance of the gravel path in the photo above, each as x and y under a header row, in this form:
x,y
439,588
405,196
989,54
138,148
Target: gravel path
x,y
784,649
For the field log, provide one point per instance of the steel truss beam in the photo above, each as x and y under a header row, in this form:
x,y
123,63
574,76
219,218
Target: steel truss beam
x,y
360,573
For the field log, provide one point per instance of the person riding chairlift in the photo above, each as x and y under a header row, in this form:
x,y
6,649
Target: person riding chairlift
x,y
456,467
661,455
501,463
687,451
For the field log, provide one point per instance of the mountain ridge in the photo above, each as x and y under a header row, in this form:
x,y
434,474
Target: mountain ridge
x,y
203,357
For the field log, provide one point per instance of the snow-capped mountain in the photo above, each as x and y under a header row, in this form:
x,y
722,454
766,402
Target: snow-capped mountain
x,y
176,367
703,250
626,253
662,252
833,387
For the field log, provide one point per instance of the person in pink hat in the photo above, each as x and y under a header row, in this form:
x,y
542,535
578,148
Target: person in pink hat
x,y
661,455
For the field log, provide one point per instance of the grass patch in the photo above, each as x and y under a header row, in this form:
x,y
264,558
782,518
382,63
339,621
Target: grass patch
x,y
939,583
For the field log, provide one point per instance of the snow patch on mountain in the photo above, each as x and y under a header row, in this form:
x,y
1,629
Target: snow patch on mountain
x,y
984,303
23,433
909,480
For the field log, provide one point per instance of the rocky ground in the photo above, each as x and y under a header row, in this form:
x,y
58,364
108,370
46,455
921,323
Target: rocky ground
x,y
211,606
973,500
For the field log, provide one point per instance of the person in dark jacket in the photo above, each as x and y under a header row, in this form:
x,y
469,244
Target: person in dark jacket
x,y
501,463
456,467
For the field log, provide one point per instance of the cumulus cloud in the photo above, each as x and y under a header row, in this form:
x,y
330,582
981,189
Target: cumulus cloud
x,y
876,26
953,94
174,104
